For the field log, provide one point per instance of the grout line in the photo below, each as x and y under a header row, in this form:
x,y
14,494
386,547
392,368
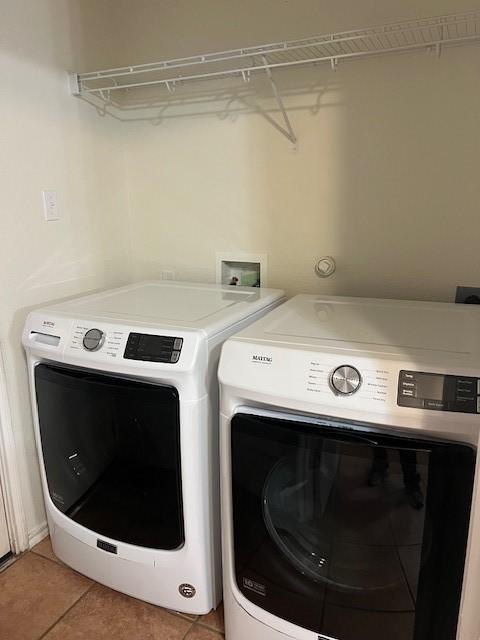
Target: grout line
x,y
208,626
67,611
186,616
188,630
57,561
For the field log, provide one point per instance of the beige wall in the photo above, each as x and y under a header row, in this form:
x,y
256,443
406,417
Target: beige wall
x,y
385,177
48,140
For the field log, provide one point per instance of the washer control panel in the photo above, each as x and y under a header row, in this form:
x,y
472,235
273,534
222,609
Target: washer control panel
x,y
152,348
93,339
345,380
438,392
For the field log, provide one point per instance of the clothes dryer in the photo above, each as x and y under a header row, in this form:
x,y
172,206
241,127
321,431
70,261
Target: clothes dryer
x,y
350,507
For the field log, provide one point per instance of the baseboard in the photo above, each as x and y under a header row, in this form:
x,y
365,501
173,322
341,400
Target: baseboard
x,y
37,534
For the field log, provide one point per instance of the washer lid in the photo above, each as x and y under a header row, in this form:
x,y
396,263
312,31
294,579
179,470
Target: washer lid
x,y
209,307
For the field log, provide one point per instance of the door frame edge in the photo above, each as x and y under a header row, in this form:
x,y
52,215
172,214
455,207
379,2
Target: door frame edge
x,y
9,475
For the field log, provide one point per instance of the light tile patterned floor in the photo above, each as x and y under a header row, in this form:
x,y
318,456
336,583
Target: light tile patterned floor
x,y
41,598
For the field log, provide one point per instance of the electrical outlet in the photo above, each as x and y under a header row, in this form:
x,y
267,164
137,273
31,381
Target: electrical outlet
x,y
50,206
168,275
468,295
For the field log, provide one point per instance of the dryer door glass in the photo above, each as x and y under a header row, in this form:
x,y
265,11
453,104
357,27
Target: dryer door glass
x,y
111,452
352,534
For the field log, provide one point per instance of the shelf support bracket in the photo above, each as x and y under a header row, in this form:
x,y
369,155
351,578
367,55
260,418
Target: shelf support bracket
x,y
286,130
74,83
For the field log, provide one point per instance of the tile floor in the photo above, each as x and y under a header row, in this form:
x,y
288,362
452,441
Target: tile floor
x,y
41,598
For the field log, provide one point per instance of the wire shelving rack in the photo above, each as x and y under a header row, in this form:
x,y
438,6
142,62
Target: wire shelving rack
x,y
413,35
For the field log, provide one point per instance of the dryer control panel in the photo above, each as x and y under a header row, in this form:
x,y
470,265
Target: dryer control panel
x,y
153,348
438,392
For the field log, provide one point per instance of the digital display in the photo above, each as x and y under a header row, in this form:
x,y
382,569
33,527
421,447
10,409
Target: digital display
x,y
152,348
153,345
430,386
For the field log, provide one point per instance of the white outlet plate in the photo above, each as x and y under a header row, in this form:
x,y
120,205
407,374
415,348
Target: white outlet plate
x,y
50,205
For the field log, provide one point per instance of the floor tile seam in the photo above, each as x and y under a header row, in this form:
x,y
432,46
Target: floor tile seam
x,y
209,626
57,562
188,630
66,611
184,616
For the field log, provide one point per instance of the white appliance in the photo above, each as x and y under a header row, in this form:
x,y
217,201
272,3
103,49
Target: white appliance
x,y
125,403
349,430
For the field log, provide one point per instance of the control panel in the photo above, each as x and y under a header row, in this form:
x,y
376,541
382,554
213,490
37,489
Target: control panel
x,y
152,348
108,341
438,392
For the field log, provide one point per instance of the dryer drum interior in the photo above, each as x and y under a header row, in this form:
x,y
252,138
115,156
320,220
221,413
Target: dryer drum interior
x,y
350,533
111,452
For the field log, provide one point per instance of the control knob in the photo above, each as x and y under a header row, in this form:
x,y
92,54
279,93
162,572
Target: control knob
x,y
345,380
93,339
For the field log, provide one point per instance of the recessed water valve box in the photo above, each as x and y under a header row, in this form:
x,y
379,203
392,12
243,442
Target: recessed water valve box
x,y
242,269
468,295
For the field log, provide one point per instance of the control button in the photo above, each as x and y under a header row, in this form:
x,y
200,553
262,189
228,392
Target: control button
x,y
409,376
478,405
93,339
478,386
345,380
408,384
175,356
434,404
407,392
177,345
466,402
465,394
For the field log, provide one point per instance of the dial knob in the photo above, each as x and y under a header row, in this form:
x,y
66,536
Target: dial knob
x,y
345,380
93,339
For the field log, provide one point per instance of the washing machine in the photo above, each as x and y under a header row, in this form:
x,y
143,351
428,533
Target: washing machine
x,y
350,508
125,404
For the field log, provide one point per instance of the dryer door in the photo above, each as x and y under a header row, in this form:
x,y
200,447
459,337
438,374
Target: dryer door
x,y
111,451
352,534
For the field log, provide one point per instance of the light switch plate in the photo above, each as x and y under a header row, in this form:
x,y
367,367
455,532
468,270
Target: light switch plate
x,y
50,205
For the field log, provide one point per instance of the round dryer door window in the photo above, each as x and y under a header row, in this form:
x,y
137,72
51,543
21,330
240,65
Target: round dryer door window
x,y
295,498
334,527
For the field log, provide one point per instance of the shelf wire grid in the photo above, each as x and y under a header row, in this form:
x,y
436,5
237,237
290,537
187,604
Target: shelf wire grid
x,y
436,32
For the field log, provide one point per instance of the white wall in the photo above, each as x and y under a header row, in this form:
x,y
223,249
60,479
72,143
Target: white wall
x,y
385,177
48,140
